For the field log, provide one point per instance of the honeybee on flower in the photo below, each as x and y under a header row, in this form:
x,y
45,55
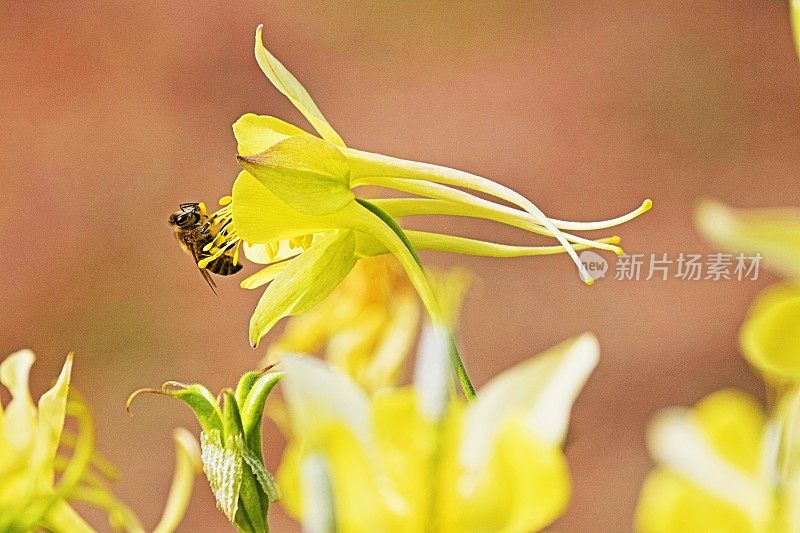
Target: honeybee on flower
x,y
295,208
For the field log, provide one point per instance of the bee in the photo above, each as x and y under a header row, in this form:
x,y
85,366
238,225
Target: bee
x,y
194,229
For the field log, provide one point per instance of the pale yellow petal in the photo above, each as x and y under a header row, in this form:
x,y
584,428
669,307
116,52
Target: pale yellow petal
x,y
671,503
187,464
305,282
52,411
285,82
543,389
256,133
770,337
774,233
19,420
307,173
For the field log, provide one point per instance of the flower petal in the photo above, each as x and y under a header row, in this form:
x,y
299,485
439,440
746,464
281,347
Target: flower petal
x,y
261,217
770,337
263,276
433,373
319,395
255,133
285,82
670,502
542,389
305,282
774,233
678,442
307,173
187,464
52,411
19,419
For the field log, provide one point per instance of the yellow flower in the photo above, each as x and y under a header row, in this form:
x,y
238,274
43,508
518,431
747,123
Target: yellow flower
x,y
774,233
415,460
770,337
367,326
296,207
31,437
723,466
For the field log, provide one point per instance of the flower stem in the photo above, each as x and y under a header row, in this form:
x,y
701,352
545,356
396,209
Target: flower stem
x,y
458,363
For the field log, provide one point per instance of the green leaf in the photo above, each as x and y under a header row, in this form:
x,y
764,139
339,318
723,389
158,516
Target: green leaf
x,y
307,173
285,82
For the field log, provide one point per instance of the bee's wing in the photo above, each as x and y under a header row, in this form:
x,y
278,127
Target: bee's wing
x,y
205,273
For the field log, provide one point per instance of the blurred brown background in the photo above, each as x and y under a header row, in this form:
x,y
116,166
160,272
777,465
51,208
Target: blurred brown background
x,y
113,113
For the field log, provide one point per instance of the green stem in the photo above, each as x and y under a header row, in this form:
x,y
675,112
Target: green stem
x,y
455,356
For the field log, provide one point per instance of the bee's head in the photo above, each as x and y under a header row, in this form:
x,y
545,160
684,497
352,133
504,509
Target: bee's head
x,y
189,215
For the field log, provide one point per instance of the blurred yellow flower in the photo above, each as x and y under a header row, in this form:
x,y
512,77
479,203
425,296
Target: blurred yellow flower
x,y
774,233
417,459
296,208
723,466
367,326
31,437
770,337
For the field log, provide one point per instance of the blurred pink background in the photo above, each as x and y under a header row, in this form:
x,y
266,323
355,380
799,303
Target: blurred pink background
x,y
114,114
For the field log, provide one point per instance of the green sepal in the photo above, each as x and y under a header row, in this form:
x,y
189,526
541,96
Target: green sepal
x,y
196,396
252,409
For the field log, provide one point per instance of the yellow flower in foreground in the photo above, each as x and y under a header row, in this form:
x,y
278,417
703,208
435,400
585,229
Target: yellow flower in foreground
x,y
367,326
770,337
723,466
774,233
33,444
297,208
411,459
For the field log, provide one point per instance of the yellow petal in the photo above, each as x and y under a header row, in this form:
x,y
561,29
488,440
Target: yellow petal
x,y
774,233
305,282
542,390
187,464
256,133
319,395
734,424
669,503
261,217
19,420
264,276
770,337
285,82
307,173
524,486
678,441
52,411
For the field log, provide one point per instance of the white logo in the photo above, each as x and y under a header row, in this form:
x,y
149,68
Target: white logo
x,y
594,263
